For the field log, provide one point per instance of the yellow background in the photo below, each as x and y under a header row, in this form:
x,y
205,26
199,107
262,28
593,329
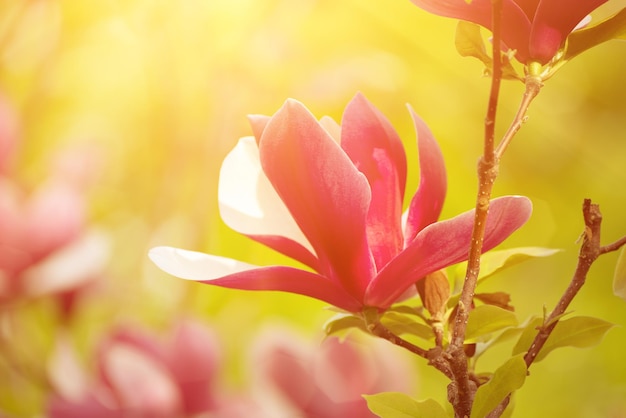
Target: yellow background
x,y
161,89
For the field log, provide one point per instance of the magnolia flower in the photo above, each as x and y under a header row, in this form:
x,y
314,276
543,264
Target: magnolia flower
x,y
331,198
33,228
139,375
327,380
535,29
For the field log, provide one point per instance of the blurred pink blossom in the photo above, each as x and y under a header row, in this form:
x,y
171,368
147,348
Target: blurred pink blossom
x,y
140,375
33,227
326,381
45,244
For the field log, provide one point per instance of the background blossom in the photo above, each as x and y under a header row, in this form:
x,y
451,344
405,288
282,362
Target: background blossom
x,y
535,29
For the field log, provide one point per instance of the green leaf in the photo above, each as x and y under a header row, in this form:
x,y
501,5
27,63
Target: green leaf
x,y
486,319
506,379
469,42
399,405
619,278
494,261
400,324
580,332
405,309
504,336
581,40
528,335
343,322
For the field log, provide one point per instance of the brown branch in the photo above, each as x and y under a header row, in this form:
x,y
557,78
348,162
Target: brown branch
x,y
461,391
533,87
588,254
434,356
613,246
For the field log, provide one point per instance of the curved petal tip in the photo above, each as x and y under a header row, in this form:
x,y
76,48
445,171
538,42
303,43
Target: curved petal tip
x,y
192,265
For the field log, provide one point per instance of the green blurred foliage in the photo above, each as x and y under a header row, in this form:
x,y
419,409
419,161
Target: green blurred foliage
x,y
161,89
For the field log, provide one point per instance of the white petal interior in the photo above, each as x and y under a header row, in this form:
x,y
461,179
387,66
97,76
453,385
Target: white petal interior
x,y
247,200
193,265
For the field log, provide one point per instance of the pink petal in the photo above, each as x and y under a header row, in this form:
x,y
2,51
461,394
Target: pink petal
x,y
249,204
290,372
332,127
55,215
88,406
426,205
553,22
70,267
193,360
9,133
376,150
343,371
290,248
258,124
325,193
515,22
224,272
445,243
140,383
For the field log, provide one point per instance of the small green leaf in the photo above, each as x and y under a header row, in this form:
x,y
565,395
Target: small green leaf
x,y
486,319
504,336
343,322
580,331
399,405
494,261
506,379
469,42
528,335
405,309
619,278
581,40
400,324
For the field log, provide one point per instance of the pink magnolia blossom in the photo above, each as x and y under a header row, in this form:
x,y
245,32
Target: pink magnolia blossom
x,y
331,198
294,379
45,244
535,29
34,227
139,375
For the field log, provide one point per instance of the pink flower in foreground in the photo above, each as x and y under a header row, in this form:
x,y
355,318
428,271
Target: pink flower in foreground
x,y
536,29
331,197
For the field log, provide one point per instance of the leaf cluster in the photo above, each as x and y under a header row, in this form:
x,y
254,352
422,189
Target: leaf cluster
x,y
492,321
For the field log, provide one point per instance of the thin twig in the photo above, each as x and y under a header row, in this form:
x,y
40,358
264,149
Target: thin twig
x,y
589,253
433,356
533,86
613,246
